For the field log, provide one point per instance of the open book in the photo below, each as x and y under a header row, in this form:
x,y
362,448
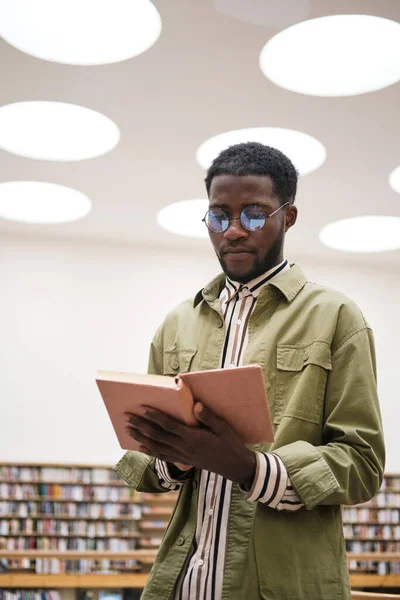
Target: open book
x,y
236,395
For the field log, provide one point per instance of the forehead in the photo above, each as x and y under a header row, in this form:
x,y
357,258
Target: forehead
x,y
234,189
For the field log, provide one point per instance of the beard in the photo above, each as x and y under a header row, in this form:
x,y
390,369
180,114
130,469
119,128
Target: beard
x,y
261,264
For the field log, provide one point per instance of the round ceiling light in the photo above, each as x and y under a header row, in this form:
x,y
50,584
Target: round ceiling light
x,y
306,153
73,32
339,55
363,234
394,179
55,131
185,218
41,202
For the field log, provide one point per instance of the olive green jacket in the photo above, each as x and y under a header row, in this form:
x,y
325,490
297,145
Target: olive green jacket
x,y
317,354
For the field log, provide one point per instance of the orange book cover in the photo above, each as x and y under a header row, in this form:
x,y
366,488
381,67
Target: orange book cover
x,y
236,395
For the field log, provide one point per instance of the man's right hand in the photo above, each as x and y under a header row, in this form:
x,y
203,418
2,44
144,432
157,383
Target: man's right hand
x,y
183,467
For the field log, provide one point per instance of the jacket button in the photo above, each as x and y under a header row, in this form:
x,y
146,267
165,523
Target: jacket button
x,y
175,364
194,484
180,541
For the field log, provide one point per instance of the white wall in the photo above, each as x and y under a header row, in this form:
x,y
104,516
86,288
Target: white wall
x,y
69,308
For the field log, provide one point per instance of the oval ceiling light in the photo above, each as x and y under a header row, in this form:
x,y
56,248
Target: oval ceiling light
x,y
363,234
394,179
76,32
306,153
41,202
339,55
55,131
185,218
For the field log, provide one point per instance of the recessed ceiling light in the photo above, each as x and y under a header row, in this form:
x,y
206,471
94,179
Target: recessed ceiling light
x,y
306,153
41,202
363,234
185,218
394,179
339,55
55,131
76,32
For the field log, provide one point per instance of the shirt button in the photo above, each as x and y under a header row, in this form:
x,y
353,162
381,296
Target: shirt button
x,y
239,322
210,512
180,541
194,484
232,365
201,563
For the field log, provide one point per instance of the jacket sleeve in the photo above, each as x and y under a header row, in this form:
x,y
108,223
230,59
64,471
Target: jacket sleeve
x,y
138,470
348,467
155,362
271,485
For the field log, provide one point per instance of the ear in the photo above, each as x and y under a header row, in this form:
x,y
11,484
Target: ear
x,y
290,217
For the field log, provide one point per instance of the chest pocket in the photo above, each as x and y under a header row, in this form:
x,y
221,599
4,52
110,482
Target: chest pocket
x,y
301,375
177,361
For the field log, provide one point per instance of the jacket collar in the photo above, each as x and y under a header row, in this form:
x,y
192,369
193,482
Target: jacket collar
x,y
289,284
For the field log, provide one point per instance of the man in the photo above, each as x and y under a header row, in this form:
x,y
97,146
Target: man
x,y
261,522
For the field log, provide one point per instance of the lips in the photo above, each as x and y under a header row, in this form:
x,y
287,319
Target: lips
x,y
237,251
237,255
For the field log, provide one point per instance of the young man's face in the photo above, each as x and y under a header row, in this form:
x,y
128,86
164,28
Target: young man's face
x,y
245,254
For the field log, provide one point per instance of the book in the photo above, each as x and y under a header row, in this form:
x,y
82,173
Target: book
x,y
237,395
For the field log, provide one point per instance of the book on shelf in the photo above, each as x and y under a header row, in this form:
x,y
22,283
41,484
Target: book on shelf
x,y
29,595
48,510
237,395
61,509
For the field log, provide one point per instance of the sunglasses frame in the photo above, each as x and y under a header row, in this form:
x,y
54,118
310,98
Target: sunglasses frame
x,y
266,216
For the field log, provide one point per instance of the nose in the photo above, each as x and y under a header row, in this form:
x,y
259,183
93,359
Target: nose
x,y
235,230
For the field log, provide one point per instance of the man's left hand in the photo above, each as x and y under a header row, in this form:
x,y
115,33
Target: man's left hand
x,y
213,445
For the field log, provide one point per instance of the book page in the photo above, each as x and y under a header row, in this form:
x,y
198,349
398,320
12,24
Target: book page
x,y
140,378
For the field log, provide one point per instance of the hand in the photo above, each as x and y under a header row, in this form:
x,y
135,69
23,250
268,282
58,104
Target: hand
x,y
213,445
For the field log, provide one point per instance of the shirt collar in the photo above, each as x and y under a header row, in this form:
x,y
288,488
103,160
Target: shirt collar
x,y
253,287
288,284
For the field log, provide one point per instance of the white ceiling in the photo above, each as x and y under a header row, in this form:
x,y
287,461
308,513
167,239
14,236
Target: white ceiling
x,y
202,78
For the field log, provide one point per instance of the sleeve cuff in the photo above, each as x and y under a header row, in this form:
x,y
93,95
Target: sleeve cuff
x,y
309,472
165,477
271,485
132,466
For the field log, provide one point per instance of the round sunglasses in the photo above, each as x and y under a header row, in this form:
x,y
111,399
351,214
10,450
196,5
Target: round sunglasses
x,y
252,218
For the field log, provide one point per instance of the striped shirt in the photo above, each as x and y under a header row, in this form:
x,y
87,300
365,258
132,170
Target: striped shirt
x,y
202,576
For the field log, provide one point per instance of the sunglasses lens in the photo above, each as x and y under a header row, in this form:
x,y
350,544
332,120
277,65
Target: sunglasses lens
x,y
252,218
217,220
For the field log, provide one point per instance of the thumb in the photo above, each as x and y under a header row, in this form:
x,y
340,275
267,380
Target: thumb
x,y
208,418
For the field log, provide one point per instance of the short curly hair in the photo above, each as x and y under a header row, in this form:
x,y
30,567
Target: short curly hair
x,y
253,158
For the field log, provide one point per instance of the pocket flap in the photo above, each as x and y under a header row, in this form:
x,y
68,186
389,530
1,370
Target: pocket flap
x,y
177,361
295,358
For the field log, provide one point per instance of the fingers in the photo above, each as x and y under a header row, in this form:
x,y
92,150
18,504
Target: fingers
x,y
161,420
155,448
154,431
208,418
151,430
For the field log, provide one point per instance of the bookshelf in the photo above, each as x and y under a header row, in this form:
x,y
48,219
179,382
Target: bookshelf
x,y
79,526
372,533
